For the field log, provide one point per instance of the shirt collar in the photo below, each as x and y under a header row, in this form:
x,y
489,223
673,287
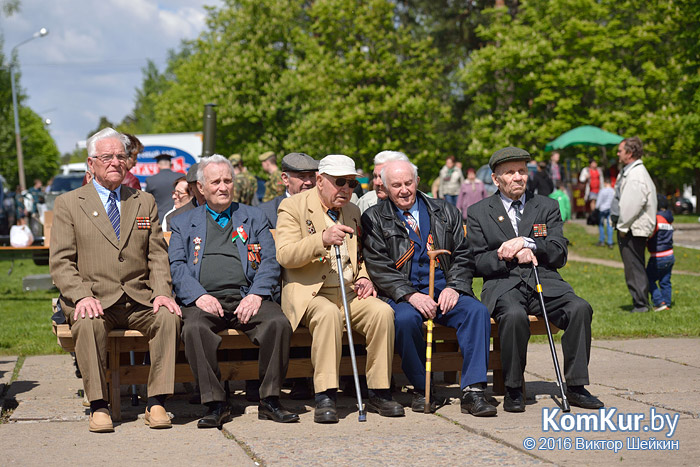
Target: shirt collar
x,y
507,202
103,193
222,217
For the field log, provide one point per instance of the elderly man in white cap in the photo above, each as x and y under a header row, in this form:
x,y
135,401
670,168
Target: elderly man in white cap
x,y
308,226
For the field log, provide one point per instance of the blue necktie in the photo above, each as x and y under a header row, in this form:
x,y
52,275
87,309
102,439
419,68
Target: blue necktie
x,y
333,214
113,212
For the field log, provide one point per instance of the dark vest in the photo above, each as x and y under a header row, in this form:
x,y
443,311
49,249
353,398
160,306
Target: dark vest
x,y
420,263
222,272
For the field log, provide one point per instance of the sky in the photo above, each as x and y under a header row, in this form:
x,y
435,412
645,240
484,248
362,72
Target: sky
x,y
90,63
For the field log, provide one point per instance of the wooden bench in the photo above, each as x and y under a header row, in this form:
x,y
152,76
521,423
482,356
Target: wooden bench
x,y
446,357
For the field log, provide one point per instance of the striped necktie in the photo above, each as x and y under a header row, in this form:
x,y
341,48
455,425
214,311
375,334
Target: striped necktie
x,y
412,222
518,217
113,212
333,214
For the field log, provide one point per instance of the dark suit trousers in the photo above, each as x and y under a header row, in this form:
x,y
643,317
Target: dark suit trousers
x,y
90,337
568,312
269,329
632,252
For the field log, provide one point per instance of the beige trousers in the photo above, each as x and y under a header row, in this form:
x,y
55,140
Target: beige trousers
x,y
371,317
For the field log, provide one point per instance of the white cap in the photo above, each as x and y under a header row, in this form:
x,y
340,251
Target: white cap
x,y
337,165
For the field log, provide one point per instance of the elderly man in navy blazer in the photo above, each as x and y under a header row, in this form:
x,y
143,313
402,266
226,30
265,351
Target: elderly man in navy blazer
x,y
222,259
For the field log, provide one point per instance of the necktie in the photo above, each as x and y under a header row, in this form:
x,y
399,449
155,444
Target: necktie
x,y
518,217
412,222
113,212
333,214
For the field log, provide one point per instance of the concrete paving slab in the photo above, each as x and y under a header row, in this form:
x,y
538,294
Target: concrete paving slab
x,y
70,443
416,439
621,370
679,350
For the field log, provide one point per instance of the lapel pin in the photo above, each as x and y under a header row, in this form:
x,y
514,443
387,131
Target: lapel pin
x,y
500,218
94,213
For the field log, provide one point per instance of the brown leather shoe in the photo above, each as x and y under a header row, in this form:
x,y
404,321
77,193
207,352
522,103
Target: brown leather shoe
x,y
157,417
101,422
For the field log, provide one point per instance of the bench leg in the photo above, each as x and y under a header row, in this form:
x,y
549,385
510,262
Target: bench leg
x,y
499,385
115,395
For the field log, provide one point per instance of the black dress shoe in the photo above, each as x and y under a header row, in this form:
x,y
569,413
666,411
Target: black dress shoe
x,y
301,390
325,411
584,399
475,403
271,409
418,402
385,407
514,401
216,416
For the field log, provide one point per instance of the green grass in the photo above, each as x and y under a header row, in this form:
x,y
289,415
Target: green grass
x,y
25,317
584,244
685,218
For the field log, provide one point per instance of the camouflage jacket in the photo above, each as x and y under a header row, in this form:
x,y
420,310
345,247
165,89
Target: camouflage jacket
x,y
244,187
274,187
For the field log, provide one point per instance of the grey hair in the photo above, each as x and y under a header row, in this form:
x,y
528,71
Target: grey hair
x,y
392,163
213,159
105,133
387,156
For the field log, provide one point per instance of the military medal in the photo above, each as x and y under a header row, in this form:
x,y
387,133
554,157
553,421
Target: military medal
x,y
143,223
240,233
500,218
254,255
540,230
310,227
197,246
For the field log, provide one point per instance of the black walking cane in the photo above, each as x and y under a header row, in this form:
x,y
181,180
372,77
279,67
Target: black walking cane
x,y
362,415
564,401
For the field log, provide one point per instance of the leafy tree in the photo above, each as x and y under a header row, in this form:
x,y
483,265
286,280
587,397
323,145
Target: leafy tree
x,y
321,77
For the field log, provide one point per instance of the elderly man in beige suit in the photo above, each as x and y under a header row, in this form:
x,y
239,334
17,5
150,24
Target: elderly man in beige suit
x,y
309,224
109,260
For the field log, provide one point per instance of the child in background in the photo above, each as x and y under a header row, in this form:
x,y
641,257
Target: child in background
x,y
661,258
605,199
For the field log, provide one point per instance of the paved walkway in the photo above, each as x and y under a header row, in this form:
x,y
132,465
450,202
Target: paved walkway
x,y
649,377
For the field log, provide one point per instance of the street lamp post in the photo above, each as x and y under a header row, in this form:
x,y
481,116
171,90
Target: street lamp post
x,y
18,137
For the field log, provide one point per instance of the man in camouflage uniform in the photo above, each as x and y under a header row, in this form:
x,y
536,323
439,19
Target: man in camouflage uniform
x,y
274,187
244,183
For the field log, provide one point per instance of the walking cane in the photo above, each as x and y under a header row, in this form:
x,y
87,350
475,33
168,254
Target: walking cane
x,y
362,415
564,401
432,254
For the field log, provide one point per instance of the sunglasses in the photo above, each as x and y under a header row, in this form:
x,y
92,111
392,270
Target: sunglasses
x,y
352,183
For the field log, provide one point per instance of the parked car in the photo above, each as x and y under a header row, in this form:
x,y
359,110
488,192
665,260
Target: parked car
x,y
683,206
62,184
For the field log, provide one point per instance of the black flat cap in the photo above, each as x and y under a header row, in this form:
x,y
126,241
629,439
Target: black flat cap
x,y
508,154
299,162
192,173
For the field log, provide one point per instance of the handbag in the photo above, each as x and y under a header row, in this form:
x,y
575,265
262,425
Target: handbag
x,y
593,217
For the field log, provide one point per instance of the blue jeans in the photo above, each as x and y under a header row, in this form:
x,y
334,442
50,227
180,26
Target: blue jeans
x,y
452,199
603,219
659,269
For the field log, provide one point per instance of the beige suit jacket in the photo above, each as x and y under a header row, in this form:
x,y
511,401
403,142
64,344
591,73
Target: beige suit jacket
x,y
87,260
300,251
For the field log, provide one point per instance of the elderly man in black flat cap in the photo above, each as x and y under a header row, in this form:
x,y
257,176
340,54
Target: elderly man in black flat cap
x,y
298,174
507,233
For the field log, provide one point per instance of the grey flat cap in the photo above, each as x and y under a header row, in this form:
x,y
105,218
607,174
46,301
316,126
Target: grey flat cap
x,y
192,173
508,154
299,162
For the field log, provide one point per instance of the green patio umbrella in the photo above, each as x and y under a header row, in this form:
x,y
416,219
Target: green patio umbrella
x,y
586,135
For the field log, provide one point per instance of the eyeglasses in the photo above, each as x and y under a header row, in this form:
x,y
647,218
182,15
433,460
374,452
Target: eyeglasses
x,y
179,194
352,183
107,158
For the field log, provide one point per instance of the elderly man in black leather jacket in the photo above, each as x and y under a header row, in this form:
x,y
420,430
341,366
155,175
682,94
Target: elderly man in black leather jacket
x,y
397,233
